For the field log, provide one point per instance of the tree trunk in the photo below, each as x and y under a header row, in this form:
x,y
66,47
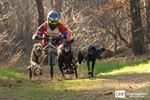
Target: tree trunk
x,y
148,16
137,31
40,9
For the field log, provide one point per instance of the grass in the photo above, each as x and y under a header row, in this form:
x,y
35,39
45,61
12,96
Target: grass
x,y
75,84
9,73
116,66
51,90
82,88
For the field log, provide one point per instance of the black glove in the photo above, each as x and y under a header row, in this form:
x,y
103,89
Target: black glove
x,y
38,37
61,36
72,40
65,41
46,38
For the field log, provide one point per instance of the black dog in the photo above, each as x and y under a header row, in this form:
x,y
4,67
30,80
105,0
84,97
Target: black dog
x,y
66,60
90,55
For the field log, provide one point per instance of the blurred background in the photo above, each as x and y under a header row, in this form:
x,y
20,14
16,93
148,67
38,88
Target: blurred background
x,y
121,26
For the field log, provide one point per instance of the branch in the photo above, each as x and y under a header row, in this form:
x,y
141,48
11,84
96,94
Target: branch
x,y
121,37
4,17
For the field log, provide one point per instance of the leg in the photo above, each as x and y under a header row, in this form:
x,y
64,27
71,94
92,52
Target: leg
x,y
37,70
41,72
30,73
60,64
59,50
62,72
42,61
88,66
34,71
93,64
76,74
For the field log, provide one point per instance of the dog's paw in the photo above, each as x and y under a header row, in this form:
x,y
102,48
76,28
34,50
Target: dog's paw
x,y
89,74
41,73
35,74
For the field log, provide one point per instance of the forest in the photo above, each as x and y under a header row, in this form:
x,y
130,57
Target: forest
x,y
122,27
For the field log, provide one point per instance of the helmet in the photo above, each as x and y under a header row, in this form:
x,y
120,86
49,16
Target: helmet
x,y
53,17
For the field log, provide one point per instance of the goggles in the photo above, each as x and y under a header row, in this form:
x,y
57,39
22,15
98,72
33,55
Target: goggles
x,y
53,22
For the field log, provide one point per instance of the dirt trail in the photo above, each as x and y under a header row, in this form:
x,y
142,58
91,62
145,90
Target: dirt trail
x,y
129,82
99,88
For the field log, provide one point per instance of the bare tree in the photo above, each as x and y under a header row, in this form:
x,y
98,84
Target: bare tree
x,y
137,31
148,16
57,5
40,9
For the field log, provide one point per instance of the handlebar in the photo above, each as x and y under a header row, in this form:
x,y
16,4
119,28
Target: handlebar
x,y
49,44
54,40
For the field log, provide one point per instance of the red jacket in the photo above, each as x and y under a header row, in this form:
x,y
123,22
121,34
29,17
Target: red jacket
x,y
44,31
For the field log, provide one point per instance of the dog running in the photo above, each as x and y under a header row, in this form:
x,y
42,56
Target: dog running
x,y
36,60
66,61
90,55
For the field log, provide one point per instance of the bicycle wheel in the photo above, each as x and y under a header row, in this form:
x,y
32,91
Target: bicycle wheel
x,y
51,62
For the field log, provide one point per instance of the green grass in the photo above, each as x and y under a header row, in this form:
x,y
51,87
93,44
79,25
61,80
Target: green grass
x,y
51,90
75,84
107,73
105,67
9,73
116,66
